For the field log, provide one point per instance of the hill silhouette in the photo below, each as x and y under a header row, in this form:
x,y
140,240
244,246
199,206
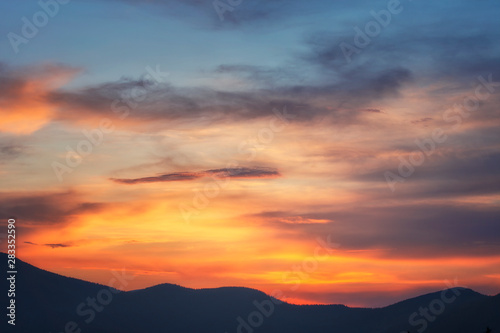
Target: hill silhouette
x,y
48,302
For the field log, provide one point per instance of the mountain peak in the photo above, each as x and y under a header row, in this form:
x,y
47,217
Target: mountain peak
x,y
173,308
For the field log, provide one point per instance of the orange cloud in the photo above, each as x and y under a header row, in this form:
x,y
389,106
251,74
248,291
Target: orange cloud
x,y
23,103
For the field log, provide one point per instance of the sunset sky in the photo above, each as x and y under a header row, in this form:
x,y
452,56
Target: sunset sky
x,y
212,144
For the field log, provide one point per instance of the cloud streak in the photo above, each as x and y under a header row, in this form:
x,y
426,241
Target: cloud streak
x,y
234,173
53,246
45,208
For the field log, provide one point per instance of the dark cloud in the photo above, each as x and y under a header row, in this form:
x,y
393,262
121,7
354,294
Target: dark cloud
x,y
454,52
341,101
169,177
11,150
100,98
44,208
242,172
422,120
372,110
10,85
400,230
466,165
241,14
54,246
339,91
380,70
165,102
15,81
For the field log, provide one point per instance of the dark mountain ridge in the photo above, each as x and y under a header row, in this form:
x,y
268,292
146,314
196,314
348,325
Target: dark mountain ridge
x,y
48,302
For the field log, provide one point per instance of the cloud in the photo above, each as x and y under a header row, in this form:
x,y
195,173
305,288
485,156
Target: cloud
x,y
372,110
465,165
237,173
23,94
422,120
169,177
287,218
244,172
233,15
398,230
341,101
45,208
333,91
57,245
164,102
11,150
453,51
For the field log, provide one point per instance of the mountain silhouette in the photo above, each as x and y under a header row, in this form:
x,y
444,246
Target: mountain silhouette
x,y
48,302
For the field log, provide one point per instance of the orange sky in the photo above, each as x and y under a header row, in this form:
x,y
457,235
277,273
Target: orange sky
x,y
258,229
255,150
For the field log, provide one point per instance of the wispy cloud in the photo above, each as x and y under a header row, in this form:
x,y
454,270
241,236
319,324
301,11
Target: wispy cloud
x,y
242,173
53,246
24,92
45,208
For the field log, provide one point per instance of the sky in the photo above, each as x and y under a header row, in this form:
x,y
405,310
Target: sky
x,y
338,152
